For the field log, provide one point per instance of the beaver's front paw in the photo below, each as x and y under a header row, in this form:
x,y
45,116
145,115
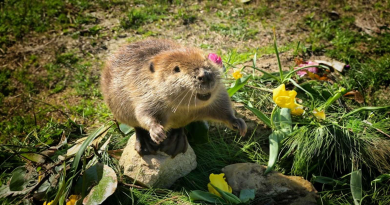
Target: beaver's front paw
x,y
240,125
157,133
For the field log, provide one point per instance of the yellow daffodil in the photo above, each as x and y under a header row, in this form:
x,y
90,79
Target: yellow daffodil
x,y
319,114
46,203
218,180
286,99
237,74
298,110
72,199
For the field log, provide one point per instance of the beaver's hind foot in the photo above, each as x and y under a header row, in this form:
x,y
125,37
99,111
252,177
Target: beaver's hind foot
x,y
175,143
144,145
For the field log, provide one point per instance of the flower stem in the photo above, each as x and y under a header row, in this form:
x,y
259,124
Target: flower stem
x,y
310,66
338,94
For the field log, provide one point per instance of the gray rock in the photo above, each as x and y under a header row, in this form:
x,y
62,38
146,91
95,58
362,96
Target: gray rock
x,y
289,190
159,170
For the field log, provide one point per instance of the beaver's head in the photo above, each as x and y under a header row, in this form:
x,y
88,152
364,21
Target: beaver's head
x,y
190,78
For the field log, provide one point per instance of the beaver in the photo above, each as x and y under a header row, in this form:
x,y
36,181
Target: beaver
x,y
158,86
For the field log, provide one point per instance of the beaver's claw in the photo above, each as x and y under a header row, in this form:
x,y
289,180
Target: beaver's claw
x,y
240,125
157,134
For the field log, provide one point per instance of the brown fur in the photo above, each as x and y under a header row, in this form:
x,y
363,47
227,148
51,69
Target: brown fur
x,y
142,87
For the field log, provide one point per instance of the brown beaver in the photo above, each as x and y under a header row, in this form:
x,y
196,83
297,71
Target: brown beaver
x,y
159,86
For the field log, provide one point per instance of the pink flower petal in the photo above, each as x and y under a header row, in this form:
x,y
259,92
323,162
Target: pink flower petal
x,y
313,69
301,73
215,58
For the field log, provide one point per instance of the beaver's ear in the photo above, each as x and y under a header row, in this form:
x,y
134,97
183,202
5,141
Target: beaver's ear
x,y
151,67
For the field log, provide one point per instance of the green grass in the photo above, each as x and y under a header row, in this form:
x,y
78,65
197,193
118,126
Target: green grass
x,y
43,100
138,16
367,55
18,18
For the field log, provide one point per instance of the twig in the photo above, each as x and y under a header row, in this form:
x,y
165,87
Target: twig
x,y
133,185
376,128
174,197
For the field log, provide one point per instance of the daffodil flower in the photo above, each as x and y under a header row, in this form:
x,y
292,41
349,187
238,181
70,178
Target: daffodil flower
x,y
72,199
286,99
218,180
319,114
237,74
47,203
298,110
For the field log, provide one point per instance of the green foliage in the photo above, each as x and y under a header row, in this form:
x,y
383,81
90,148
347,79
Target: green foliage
x,y
238,30
138,16
367,55
18,18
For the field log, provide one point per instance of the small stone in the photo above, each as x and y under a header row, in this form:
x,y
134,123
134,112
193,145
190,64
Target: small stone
x,y
158,171
291,190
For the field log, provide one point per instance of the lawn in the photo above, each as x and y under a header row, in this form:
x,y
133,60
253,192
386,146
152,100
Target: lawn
x,y
52,52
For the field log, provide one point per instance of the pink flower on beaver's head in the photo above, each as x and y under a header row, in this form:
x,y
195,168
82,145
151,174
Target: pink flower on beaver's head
x,y
215,58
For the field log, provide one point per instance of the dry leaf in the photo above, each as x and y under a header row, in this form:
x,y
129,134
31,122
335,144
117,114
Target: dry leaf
x,y
339,66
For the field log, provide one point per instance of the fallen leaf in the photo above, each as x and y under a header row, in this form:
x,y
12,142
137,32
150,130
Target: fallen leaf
x,y
356,95
34,157
339,66
105,187
104,146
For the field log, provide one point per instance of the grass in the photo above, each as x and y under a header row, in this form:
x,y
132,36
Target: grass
x,y
53,92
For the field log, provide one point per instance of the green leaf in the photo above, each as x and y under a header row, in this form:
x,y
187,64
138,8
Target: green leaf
x,y
125,128
34,157
105,187
328,180
238,85
246,195
335,97
198,195
277,56
260,115
227,196
61,186
274,146
18,181
356,186
254,59
365,109
268,76
86,143
298,86
381,178
282,120
198,132
92,176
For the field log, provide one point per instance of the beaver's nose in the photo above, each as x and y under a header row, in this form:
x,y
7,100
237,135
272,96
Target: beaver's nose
x,y
204,76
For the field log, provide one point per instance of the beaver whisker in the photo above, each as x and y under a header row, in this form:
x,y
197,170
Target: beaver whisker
x,y
174,111
178,96
189,101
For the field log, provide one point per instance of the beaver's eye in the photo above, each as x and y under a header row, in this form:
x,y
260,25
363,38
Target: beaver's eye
x,y
151,67
177,69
